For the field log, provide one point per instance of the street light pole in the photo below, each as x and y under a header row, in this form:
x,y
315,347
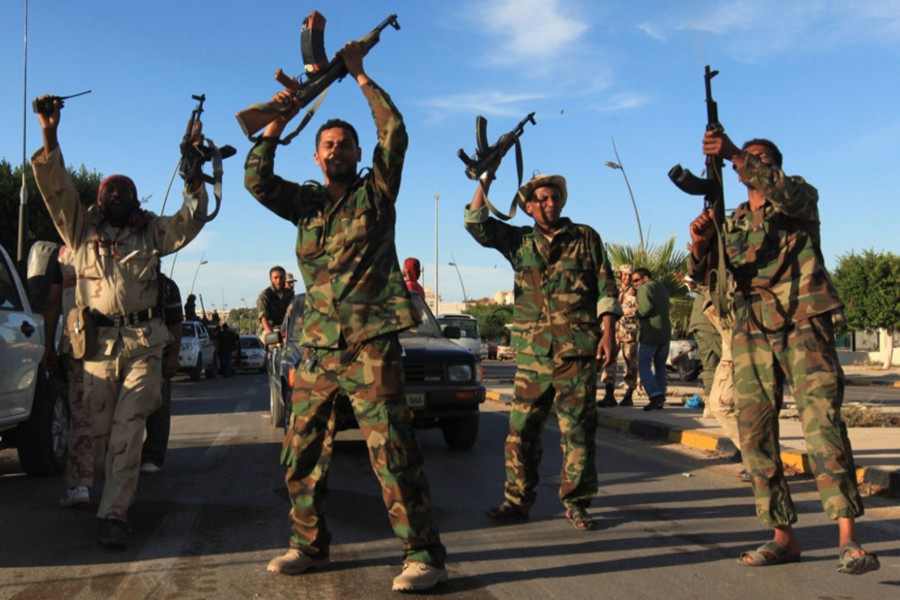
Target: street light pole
x,y
437,296
202,262
618,165
465,298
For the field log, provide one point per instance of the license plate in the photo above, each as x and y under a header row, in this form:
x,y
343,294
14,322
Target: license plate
x,y
415,400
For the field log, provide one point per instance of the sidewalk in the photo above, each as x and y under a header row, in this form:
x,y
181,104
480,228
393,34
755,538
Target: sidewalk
x,y
876,450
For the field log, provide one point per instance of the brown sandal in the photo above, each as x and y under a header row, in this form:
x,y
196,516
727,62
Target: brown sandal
x,y
578,517
507,513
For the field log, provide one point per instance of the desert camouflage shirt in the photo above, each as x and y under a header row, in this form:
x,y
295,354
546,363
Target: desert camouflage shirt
x,y
560,285
345,250
774,253
117,269
627,325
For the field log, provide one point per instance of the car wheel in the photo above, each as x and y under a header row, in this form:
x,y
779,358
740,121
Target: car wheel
x,y
197,370
688,370
276,406
213,367
460,433
42,439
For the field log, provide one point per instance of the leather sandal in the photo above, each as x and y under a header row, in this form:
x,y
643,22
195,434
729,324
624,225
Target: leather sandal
x,y
507,513
578,517
859,564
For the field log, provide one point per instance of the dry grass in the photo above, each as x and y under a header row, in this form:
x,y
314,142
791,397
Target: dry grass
x,y
859,415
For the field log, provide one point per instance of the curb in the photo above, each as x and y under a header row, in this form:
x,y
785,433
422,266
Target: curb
x,y
873,382
712,442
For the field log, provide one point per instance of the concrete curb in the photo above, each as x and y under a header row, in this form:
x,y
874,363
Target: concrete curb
x,y
713,442
872,382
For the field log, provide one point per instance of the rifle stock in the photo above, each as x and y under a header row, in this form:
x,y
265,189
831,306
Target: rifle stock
x,y
259,115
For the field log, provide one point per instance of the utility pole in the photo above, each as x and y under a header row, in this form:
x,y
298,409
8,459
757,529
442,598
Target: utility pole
x,y
437,296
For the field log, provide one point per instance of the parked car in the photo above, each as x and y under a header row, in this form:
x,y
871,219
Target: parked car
x,y
34,410
197,352
443,381
506,353
684,359
252,354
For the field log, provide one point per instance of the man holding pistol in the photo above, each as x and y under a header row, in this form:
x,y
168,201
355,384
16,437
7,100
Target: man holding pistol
x,y
356,303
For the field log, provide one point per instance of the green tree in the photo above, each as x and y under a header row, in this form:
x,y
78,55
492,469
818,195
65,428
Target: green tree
x,y
40,227
869,285
663,261
492,319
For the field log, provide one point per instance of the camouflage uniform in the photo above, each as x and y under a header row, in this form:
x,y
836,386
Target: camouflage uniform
x,y
560,286
273,304
356,303
117,277
626,340
708,338
783,306
80,454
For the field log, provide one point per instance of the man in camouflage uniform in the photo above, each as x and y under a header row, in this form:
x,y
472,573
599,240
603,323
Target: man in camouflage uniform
x,y
116,248
562,281
784,304
79,469
273,302
626,341
356,303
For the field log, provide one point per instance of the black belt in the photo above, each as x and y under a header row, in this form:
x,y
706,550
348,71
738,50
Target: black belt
x,y
132,320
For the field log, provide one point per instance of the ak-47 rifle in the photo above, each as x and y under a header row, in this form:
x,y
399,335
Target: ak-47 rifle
x,y
195,155
713,192
486,155
319,75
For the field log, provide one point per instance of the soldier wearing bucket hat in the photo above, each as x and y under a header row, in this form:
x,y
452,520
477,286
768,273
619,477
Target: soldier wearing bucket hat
x,y
563,281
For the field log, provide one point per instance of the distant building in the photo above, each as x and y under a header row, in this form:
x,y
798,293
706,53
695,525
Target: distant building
x,y
504,297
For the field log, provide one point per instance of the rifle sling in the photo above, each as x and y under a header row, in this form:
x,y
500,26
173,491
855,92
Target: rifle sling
x,y
513,206
306,118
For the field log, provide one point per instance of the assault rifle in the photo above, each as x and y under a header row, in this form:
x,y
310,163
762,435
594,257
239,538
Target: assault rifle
x,y
319,75
713,192
486,156
195,155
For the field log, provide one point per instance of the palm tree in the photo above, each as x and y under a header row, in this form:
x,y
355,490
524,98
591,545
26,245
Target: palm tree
x,y
663,261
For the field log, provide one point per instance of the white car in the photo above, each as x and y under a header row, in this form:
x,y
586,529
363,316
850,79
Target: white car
x,y
34,413
253,354
197,352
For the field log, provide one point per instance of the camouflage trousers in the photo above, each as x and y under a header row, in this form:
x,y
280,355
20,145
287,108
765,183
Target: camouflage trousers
x,y
629,355
370,374
119,392
573,384
80,450
805,354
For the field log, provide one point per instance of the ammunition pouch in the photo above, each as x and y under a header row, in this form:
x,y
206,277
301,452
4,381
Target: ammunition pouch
x,y
82,332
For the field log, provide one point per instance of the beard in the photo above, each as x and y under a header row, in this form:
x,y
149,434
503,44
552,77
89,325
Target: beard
x,y
344,172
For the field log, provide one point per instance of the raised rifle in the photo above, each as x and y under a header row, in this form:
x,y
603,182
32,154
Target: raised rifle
x,y
486,156
195,155
320,73
712,189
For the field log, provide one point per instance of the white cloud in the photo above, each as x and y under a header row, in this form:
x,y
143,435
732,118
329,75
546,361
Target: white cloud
x,y
537,32
483,103
620,102
653,31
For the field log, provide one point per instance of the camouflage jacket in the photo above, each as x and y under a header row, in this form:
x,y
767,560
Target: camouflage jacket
x,y
560,286
117,269
272,305
345,250
627,326
774,253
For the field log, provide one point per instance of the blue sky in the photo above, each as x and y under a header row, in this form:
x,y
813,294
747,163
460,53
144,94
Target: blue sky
x,y
818,77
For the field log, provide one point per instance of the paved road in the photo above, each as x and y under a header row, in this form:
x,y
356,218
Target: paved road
x,y
672,523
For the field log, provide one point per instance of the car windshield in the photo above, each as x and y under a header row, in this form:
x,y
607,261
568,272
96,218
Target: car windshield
x,y
188,330
293,320
429,326
251,342
468,328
